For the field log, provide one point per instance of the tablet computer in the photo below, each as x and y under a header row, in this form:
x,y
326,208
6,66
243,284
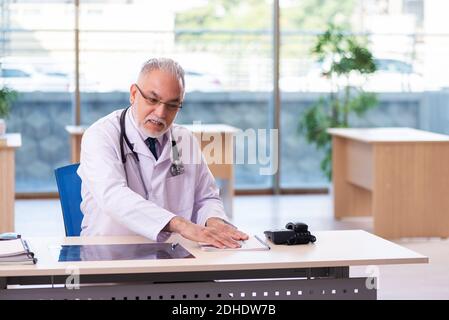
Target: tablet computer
x,y
111,252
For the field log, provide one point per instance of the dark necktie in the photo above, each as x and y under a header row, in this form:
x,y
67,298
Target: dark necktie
x,y
151,143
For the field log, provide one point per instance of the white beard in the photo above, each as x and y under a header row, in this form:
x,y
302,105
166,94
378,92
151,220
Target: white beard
x,y
144,131
153,135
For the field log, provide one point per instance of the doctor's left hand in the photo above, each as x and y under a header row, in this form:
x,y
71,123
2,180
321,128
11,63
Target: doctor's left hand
x,y
226,228
217,233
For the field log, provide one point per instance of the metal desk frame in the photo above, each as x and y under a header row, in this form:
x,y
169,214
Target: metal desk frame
x,y
273,284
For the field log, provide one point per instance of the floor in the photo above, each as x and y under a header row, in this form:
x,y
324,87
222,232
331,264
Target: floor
x,y
254,214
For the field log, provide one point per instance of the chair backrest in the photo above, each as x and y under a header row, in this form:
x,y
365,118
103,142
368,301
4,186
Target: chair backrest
x,y
69,187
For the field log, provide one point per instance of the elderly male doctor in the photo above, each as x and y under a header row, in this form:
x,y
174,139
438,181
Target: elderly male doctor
x,y
130,181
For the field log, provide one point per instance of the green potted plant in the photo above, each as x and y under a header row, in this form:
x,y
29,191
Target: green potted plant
x,y
349,62
6,98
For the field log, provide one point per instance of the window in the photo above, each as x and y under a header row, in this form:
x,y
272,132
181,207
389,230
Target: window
x,y
226,49
36,56
227,58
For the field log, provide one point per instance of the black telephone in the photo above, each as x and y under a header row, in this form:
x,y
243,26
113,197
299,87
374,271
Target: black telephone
x,y
294,233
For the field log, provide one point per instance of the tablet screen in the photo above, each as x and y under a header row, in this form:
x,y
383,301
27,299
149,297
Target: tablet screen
x,y
111,252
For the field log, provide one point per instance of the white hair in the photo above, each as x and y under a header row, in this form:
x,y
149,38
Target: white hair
x,y
165,64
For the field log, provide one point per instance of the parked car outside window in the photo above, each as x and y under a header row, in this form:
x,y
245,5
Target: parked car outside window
x,y
392,75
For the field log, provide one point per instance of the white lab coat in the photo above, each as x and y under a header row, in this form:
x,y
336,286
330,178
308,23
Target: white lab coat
x,y
114,200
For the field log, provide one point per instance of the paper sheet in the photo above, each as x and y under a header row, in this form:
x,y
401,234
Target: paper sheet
x,y
11,247
254,243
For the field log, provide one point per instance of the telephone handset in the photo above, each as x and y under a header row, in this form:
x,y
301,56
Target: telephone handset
x,y
294,233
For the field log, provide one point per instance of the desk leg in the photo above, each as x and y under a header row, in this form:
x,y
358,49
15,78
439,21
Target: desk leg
x,y
230,190
75,145
225,195
349,199
219,156
227,171
7,189
410,192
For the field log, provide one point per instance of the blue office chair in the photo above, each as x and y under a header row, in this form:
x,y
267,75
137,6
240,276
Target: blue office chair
x,y
69,187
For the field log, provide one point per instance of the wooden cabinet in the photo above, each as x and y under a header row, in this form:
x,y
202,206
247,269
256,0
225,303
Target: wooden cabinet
x,y
8,145
400,176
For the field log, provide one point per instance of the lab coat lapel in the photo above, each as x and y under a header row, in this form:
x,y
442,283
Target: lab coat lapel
x,y
166,150
134,137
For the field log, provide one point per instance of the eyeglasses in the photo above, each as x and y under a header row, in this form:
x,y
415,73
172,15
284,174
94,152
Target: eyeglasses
x,y
173,107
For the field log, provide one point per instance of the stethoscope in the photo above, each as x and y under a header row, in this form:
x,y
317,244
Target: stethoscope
x,y
176,168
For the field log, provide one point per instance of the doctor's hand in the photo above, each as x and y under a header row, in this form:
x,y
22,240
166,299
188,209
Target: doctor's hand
x,y
210,234
226,228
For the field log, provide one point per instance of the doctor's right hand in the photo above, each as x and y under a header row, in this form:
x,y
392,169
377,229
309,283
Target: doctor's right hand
x,y
195,232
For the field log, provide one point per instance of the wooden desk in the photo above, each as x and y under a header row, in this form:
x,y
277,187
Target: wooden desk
x,y
400,176
8,144
315,271
76,133
223,170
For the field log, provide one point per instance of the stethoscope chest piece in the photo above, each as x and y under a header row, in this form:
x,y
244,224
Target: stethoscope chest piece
x,y
176,168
